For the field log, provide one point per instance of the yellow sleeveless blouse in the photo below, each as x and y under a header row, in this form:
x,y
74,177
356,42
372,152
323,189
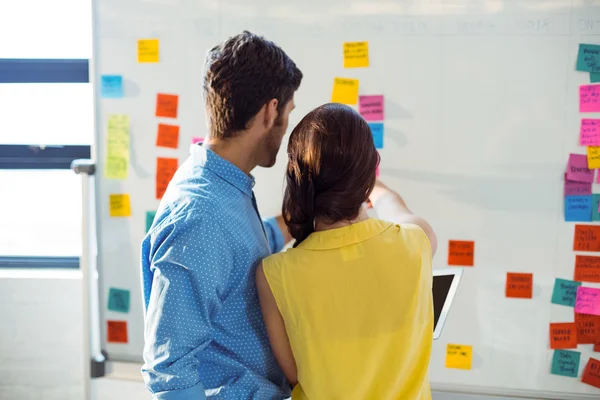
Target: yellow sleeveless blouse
x,y
358,310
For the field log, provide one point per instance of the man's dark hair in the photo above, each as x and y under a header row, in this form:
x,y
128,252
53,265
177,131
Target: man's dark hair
x,y
241,76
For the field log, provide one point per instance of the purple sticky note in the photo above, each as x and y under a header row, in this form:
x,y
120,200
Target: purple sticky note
x,y
371,107
589,132
197,140
577,170
587,301
577,188
589,98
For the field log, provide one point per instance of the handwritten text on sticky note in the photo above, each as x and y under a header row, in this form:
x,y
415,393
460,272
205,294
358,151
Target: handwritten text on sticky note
x,y
587,328
588,58
371,107
565,292
565,363
377,132
111,86
587,268
587,301
459,356
117,151
591,374
578,208
167,136
573,188
118,300
119,205
593,157
519,285
589,98
461,252
563,335
148,51
165,169
345,91
356,54
166,105
589,132
577,169
586,238
116,332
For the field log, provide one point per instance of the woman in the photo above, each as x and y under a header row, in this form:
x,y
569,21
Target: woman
x,y
348,310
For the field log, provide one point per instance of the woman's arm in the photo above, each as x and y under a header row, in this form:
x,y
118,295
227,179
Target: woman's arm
x,y
276,328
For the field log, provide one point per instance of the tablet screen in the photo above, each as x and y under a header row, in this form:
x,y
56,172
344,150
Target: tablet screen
x,y
441,288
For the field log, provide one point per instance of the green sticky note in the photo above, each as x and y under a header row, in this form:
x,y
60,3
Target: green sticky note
x,y
594,77
118,300
588,58
595,202
149,219
565,292
566,363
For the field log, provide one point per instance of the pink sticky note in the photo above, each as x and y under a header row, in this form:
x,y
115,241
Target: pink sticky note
x,y
587,301
577,170
371,107
589,98
197,140
577,188
589,132
377,176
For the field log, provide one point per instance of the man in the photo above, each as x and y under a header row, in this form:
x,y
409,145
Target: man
x,y
204,334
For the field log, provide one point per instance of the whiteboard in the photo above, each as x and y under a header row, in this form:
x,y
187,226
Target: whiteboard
x,y
481,113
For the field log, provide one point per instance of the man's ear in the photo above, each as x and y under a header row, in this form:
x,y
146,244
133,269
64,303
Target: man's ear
x,y
271,113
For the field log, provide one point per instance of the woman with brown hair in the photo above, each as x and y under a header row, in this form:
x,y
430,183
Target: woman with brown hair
x,y
349,309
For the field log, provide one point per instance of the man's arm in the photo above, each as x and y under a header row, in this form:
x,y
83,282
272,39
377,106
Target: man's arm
x,y
189,270
391,207
277,233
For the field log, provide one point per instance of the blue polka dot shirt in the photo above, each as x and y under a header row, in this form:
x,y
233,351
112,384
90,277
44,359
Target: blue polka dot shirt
x,y
204,333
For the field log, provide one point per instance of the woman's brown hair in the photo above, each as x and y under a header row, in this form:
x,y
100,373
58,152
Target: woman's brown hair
x,y
331,169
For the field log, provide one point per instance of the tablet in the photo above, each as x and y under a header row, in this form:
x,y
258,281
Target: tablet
x,y
445,283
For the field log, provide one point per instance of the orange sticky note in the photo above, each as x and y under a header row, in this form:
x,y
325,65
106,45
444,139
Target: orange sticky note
x,y
563,335
116,332
519,285
587,269
586,238
597,344
591,374
165,169
168,136
166,105
587,328
461,252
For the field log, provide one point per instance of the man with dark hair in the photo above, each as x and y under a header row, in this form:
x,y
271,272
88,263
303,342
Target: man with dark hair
x,y
204,333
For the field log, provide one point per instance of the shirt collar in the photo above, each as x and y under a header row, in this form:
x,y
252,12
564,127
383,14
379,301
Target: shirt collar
x,y
208,159
347,235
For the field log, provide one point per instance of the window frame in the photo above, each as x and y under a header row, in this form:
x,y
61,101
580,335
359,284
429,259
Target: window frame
x,y
42,157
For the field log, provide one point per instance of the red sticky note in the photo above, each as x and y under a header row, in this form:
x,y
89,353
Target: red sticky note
x,y
168,136
586,238
587,328
196,140
371,107
591,374
563,335
519,285
461,252
166,105
589,132
587,269
597,344
589,98
165,169
116,332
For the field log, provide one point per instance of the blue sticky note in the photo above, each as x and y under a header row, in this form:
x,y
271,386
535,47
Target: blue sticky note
x,y
566,363
111,86
118,300
594,77
565,292
149,219
377,131
588,58
578,208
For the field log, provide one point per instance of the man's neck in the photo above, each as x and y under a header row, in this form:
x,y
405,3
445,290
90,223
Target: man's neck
x,y
233,151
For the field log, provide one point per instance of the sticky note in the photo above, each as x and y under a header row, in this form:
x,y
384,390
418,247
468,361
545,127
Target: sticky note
x,y
591,373
563,335
589,132
356,54
118,300
148,51
377,172
587,269
586,238
345,91
461,252
165,169
166,105
459,356
594,77
588,58
587,328
565,292
597,345
587,301
117,147
371,107
119,205
593,157
149,219
596,206
196,140
167,136
377,132
519,285
578,208
577,169
589,98
116,332
111,86
565,363
577,188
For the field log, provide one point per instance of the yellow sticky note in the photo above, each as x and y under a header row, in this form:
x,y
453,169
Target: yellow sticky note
x,y
345,91
356,54
593,157
148,50
119,205
459,356
117,149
